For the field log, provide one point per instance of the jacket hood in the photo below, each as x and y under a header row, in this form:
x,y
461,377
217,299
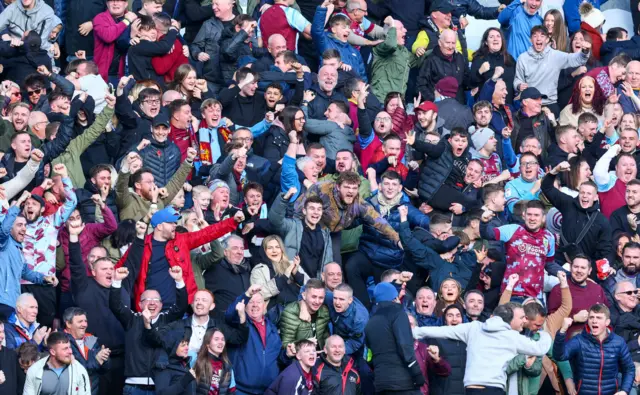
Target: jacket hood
x,y
495,324
36,8
539,55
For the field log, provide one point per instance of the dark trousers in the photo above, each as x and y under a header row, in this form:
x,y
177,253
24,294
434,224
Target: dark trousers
x,y
47,302
358,269
112,382
6,312
405,392
336,245
484,391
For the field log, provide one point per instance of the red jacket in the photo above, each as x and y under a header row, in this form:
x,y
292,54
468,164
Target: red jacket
x,y
166,65
596,39
105,33
178,253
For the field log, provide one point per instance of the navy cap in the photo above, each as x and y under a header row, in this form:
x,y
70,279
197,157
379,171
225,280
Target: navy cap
x,y
161,119
443,6
168,214
385,292
532,93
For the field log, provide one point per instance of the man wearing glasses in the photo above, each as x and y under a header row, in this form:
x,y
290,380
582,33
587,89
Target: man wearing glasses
x,y
527,185
624,312
628,272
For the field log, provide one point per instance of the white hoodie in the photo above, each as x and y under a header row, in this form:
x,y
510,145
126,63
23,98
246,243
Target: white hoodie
x,y
490,346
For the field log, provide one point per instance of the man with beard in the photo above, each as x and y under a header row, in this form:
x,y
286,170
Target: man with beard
x,y
628,272
14,227
298,377
87,349
138,354
325,92
41,242
165,249
375,252
335,372
527,185
625,219
530,248
230,277
567,141
145,195
293,328
136,118
582,292
540,66
59,372
306,237
260,353
607,369
98,185
18,122
342,205
474,306
612,187
585,230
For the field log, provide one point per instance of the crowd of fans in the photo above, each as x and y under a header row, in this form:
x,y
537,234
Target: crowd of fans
x,y
212,197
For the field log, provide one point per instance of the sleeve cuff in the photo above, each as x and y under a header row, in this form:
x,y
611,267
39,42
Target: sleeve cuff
x,y
180,285
116,284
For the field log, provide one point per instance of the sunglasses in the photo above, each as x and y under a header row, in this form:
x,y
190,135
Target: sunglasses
x,y
629,293
34,92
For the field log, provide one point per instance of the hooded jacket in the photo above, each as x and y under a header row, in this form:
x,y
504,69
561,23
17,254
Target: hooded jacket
x,y
542,69
597,243
490,346
596,365
171,374
79,383
438,66
40,19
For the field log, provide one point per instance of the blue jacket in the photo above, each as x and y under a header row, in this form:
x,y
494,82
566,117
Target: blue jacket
x,y
596,365
16,334
255,366
13,267
349,325
380,250
571,9
324,40
518,25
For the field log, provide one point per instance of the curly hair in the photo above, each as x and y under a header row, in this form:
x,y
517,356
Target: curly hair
x,y
597,102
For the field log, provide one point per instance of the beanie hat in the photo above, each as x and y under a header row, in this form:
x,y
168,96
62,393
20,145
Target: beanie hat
x,y
591,15
215,184
385,292
480,137
447,87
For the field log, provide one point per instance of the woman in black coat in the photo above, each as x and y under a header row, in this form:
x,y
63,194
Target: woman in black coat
x,y
492,51
173,376
452,351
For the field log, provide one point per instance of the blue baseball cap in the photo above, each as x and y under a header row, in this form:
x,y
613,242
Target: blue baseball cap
x,y
168,214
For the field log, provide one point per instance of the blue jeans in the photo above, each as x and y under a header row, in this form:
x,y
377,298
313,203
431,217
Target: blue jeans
x,y
133,390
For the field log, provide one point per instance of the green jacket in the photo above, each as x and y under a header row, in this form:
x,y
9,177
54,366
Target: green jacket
x,y
71,156
201,262
293,329
6,134
391,66
350,239
133,206
528,378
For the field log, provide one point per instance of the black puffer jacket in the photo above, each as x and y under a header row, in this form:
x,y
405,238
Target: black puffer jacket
x,y
436,168
597,243
163,159
232,48
87,207
171,374
454,352
436,67
135,125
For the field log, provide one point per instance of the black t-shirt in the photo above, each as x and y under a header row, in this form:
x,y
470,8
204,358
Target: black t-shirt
x,y
114,67
158,277
311,250
458,170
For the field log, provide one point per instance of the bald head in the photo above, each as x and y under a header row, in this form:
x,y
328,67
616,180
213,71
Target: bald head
x,y
38,123
327,78
447,42
276,44
170,96
633,74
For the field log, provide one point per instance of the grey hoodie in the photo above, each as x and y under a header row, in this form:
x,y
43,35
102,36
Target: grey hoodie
x,y
40,18
490,347
541,70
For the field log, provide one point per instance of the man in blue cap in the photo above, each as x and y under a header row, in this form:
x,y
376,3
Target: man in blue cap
x,y
389,339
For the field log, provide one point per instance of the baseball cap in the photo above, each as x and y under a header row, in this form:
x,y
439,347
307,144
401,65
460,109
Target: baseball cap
x,y
167,214
532,93
443,6
161,119
426,106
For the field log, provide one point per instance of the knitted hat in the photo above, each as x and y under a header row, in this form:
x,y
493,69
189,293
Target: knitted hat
x,y
591,15
215,184
480,137
447,87
385,292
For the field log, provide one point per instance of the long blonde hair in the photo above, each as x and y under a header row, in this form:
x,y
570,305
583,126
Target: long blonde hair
x,y
441,304
279,267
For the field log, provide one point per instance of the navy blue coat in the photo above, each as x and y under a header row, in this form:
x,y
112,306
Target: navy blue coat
x,y
163,159
255,366
90,363
349,325
380,250
596,365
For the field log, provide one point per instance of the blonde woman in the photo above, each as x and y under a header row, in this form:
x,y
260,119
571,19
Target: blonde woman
x,y
450,293
280,277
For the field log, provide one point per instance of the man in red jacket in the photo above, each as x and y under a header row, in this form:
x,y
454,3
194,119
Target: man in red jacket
x,y
165,248
166,65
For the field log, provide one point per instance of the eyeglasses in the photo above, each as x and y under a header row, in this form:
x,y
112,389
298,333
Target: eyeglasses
x,y
157,101
34,92
629,293
383,119
529,164
151,300
299,119
16,94
243,139
361,10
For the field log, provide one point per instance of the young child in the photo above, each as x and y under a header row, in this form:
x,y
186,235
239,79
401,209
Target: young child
x,y
141,54
336,38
